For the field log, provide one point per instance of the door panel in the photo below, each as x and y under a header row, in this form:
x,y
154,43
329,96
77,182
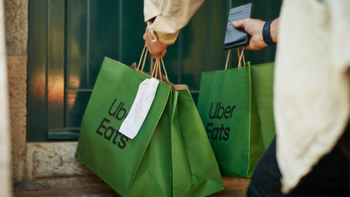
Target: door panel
x,y
76,44
37,68
55,64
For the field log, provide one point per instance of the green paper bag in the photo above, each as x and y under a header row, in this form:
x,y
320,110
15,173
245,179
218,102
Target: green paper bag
x,y
263,86
171,154
236,108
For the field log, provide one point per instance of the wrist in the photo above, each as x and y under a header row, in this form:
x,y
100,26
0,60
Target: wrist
x,y
273,30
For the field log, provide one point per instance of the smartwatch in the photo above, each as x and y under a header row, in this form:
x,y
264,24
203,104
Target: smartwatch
x,y
266,33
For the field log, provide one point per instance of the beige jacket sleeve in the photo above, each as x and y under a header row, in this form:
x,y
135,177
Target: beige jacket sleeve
x,y
171,16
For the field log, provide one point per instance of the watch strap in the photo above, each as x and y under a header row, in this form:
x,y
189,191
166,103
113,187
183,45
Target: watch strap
x,y
266,33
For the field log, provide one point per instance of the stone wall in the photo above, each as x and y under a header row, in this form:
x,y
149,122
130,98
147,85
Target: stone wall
x,y
16,27
52,170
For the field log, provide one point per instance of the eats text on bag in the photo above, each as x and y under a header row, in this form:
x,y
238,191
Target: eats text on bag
x,y
219,133
119,113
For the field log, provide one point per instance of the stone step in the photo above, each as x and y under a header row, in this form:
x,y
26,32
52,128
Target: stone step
x,y
52,170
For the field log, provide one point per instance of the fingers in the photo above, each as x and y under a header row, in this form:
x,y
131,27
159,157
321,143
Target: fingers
x,y
160,55
146,38
238,24
144,35
245,47
163,53
156,49
149,44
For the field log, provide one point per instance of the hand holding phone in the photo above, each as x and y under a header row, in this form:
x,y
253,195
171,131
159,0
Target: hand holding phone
x,y
237,37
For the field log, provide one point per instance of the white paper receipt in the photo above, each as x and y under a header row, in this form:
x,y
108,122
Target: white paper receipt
x,y
139,109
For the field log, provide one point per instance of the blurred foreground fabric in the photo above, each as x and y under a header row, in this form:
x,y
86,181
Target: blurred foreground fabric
x,y
311,100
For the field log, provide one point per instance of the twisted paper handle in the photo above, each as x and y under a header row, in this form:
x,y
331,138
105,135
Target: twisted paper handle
x,y
157,68
144,59
240,56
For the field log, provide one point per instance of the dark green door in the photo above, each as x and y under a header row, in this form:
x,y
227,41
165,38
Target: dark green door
x,y
68,40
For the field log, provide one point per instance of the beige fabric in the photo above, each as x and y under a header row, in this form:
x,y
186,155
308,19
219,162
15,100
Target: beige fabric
x,y
311,90
172,15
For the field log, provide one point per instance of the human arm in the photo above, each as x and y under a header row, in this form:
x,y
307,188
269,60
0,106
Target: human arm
x,y
254,28
164,20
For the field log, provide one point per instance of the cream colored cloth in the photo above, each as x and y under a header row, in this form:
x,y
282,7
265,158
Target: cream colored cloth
x,y
171,16
311,90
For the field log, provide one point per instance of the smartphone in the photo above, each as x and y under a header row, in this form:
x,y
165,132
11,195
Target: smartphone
x,y
237,37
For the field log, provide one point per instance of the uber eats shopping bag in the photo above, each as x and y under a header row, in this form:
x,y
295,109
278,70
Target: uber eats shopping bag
x,y
236,108
263,86
171,154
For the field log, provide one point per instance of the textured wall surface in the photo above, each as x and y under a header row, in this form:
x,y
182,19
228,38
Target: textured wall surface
x,y
16,29
47,159
16,26
17,76
52,170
